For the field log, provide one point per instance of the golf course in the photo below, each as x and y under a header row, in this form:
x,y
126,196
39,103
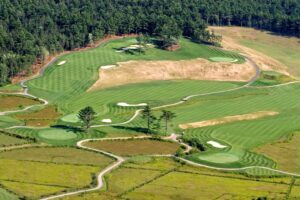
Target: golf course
x,y
224,122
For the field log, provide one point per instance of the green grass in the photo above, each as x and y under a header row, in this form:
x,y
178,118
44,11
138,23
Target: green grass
x,y
7,140
6,121
268,78
5,195
63,83
57,136
222,59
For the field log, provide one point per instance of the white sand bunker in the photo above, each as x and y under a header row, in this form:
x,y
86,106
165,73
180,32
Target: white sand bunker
x,y
120,51
108,66
216,144
123,104
106,120
61,63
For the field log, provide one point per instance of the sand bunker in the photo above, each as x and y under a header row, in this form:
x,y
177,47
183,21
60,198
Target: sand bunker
x,y
216,144
197,69
61,63
123,104
228,119
108,66
106,120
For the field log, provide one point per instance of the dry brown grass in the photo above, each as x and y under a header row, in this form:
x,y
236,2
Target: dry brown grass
x,y
135,147
271,56
41,118
228,119
197,69
286,153
9,102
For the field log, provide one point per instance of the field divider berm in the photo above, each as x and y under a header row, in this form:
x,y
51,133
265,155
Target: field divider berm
x,y
119,159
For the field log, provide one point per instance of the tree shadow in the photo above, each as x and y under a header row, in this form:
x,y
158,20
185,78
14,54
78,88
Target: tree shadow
x,y
68,128
135,129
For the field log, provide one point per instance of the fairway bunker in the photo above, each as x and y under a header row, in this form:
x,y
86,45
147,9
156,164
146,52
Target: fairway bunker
x,y
223,59
72,118
106,120
216,144
61,63
123,104
108,66
56,134
220,158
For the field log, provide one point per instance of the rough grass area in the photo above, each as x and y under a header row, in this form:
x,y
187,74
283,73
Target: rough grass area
x,y
7,140
285,152
284,49
268,78
58,155
40,118
11,88
162,178
35,172
135,147
14,102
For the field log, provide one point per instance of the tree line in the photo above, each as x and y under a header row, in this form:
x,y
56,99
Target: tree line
x,y
31,30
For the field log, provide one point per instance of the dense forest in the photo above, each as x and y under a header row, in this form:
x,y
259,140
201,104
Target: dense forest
x,y
32,29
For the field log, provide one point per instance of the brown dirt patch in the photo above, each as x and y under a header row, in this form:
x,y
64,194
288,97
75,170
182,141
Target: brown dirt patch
x,y
41,118
9,102
230,41
197,69
228,119
134,147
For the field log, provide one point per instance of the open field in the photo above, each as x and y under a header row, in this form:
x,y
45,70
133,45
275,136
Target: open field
x,y
284,50
7,140
35,172
14,102
134,147
284,151
40,118
196,69
161,178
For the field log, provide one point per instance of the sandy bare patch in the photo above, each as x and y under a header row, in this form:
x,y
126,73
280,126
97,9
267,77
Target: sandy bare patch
x,y
231,38
228,119
216,144
108,66
62,63
197,69
106,120
123,104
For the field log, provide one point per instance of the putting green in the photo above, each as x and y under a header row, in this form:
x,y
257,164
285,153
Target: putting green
x,y
57,134
220,158
72,118
222,59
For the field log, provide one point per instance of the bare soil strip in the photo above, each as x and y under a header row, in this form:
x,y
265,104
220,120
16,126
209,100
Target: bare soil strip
x,y
197,69
228,119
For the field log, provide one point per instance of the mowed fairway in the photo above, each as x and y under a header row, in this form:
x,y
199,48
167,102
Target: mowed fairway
x,y
133,147
35,172
62,83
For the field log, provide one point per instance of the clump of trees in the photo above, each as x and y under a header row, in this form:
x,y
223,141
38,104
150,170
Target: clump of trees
x,y
87,115
30,31
154,123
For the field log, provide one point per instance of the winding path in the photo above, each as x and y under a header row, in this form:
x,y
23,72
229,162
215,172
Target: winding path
x,y
119,159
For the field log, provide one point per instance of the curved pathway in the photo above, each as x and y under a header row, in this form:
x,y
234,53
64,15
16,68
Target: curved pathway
x,y
119,159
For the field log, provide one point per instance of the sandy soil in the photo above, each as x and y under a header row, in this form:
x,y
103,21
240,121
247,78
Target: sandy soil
x,y
231,39
197,69
228,119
